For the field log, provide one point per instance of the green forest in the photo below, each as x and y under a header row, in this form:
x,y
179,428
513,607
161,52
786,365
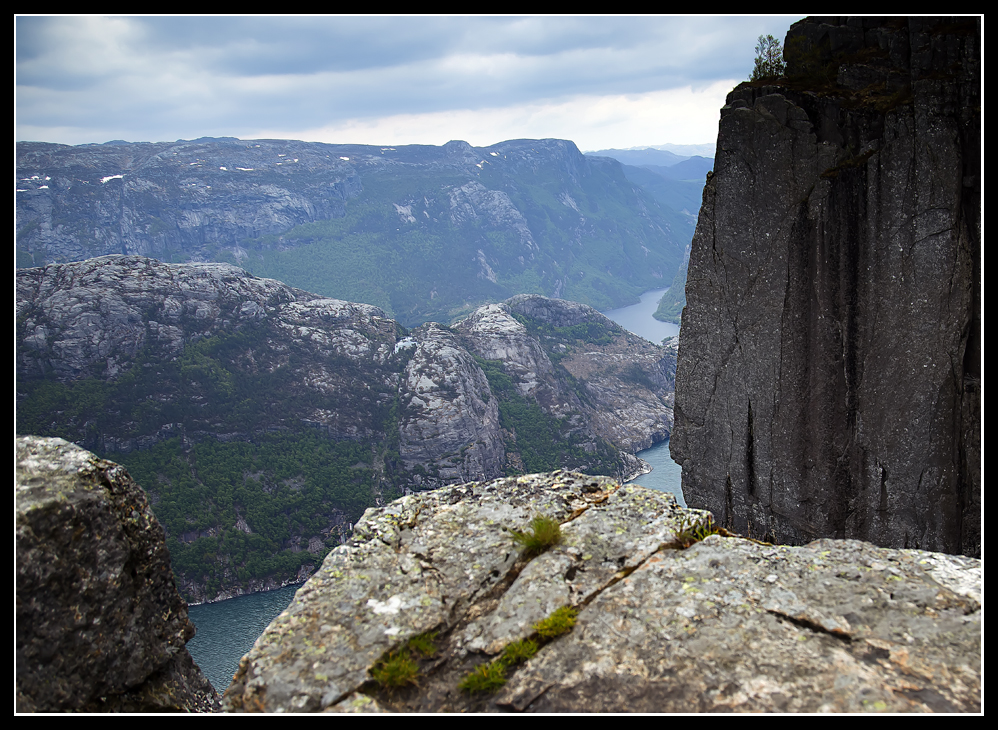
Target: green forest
x,y
283,486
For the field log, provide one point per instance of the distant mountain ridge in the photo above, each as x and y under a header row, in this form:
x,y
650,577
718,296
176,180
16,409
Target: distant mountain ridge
x,y
423,232
704,149
641,157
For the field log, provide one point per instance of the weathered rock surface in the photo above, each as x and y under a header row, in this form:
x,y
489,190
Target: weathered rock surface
x,y
449,409
145,352
828,380
100,624
727,624
105,316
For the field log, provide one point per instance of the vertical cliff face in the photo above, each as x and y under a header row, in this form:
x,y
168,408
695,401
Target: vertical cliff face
x,y
828,376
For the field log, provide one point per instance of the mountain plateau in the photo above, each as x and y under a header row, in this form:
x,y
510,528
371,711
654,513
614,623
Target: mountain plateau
x,y
423,232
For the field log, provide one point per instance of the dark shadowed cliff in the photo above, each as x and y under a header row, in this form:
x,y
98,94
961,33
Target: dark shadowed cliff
x,y
828,380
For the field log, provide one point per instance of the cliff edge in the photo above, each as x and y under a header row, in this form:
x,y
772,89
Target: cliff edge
x,y
828,376
436,606
448,600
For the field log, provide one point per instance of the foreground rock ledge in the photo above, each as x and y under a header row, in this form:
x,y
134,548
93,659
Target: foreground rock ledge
x,y
100,624
728,624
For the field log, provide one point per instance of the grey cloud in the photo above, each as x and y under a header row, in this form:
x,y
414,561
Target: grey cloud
x,y
230,73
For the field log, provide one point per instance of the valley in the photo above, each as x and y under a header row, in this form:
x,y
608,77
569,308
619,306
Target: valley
x,y
263,420
264,415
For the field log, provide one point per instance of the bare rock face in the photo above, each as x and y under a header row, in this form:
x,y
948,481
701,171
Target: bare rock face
x,y
100,624
627,384
828,379
449,410
728,624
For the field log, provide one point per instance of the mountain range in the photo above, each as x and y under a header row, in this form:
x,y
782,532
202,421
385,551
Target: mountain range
x,y
676,181
424,233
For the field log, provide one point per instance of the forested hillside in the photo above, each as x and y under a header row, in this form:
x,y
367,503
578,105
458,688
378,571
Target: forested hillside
x,y
677,183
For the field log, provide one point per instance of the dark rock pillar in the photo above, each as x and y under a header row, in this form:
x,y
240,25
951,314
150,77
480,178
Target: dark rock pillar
x,y
828,373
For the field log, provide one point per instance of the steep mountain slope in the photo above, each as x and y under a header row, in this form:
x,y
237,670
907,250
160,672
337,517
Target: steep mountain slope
x,y
829,373
264,419
677,183
423,232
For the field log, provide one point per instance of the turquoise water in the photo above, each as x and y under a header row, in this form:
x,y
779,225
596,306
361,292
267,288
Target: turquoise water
x,y
227,630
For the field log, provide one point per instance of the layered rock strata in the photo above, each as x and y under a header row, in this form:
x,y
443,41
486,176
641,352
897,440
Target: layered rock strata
x,y
728,624
828,380
100,624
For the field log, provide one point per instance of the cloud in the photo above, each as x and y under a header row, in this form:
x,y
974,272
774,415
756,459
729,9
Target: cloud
x,y
150,78
601,122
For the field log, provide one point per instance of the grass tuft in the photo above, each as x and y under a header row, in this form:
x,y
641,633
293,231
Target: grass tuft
x,y
559,622
492,676
395,671
485,678
694,529
519,651
544,533
424,644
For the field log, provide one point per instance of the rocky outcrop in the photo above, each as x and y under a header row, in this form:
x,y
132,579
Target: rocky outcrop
x,y
728,624
449,410
124,354
100,624
828,381
627,384
104,317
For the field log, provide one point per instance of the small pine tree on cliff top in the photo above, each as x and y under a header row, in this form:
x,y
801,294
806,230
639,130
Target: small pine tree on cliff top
x,y
768,59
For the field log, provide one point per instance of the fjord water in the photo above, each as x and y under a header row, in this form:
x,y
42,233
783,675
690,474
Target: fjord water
x,y
666,475
638,319
226,630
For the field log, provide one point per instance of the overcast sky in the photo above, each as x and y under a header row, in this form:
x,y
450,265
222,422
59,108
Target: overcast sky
x,y
610,81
